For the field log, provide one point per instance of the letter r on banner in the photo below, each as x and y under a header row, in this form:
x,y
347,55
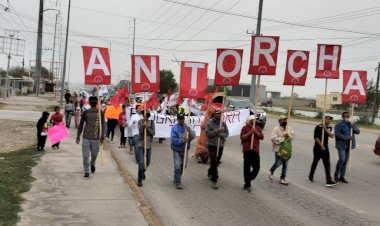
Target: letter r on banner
x,y
354,87
264,51
97,69
296,67
228,67
145,73
328,61
193,80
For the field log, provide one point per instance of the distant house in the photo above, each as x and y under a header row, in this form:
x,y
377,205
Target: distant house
x,y
332,99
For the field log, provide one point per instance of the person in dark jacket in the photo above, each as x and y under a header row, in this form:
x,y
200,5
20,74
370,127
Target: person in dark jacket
x,y
342,144
377,146
42,129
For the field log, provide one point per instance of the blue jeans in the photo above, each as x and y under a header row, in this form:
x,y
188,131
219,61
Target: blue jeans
x,y
178,165
68,115
278,162
135,141
340,171
140,160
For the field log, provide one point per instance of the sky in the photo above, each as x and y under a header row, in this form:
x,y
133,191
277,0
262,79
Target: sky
x,y
193,29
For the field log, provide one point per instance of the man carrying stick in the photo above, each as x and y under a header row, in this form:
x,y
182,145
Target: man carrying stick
x,y
178,142
91,137
213,133
342,143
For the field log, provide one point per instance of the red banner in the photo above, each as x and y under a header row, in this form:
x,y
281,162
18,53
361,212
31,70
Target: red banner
x,y
264,51
296,67
97,68
354,87
228,67
145,73
193,79
328,61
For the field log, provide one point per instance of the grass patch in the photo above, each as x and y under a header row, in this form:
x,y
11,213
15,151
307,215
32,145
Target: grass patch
x,y
50,108
1,105
15,179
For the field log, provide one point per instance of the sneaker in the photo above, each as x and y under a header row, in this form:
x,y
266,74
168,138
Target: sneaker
x,y
311,180
93,168
271,177
214,185
112,142
330,183
178,186
342,179
284,182
86,175
139,183
247,189
209,177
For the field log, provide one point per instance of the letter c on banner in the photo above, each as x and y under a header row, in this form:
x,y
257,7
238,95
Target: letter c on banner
x,y
219,64
292,58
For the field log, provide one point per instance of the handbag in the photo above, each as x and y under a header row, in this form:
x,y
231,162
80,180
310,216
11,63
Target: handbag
x,y
285,151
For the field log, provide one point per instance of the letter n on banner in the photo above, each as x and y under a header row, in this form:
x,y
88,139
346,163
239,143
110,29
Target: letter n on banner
x,y
193,79
354,87
97,69
296,67
145,73
328,60
228,67
264,51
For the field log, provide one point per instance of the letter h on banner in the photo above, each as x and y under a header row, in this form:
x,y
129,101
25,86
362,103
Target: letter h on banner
x,y
228,67
145,73
354,87
193,79
328,61
97,69
296,67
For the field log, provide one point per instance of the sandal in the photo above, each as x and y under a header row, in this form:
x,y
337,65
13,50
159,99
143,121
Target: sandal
x,y
284,182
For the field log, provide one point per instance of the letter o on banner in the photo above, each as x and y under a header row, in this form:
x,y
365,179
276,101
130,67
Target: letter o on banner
x,y
228,67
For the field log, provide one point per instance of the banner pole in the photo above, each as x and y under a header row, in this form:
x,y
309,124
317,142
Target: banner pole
x,y
256,101
187,137
351,134
324,114
100,125
221,120
144,131
290,108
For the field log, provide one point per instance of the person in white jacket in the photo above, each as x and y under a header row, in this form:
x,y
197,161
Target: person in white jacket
x,y
278,136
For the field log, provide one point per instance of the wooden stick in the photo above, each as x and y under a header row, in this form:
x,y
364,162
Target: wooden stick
x,y
187,137
290,108
221,121
100,125
324,114
257,96
144,131
351,134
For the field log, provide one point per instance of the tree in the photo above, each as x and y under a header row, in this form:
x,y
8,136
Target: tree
x,y
167,81
18,72
371,92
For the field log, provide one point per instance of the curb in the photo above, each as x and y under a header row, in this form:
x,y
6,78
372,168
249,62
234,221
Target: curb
x,y
143,204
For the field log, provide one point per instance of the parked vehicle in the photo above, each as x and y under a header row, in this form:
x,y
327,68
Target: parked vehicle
x,y
233,104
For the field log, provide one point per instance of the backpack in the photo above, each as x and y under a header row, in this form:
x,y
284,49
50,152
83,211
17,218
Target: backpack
x,y
285,151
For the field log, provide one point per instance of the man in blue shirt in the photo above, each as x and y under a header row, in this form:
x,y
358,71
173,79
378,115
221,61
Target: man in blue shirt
x,y
178,141
342,144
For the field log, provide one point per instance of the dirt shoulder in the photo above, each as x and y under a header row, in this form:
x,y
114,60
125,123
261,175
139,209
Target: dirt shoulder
x,y
16,135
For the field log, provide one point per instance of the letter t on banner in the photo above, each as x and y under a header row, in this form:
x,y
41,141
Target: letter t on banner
x,y
193,79
97,69
145,73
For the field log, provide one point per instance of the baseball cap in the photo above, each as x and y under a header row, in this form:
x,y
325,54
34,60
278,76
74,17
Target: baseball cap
x,y
218,112
283,117
251,117
329,117
180,116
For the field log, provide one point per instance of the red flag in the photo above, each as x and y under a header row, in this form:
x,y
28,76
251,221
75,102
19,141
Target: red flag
x,y
145,73
264,51
193,79
296,67
354,87
97,68
328,60
152,101
228,67
178,100
120,97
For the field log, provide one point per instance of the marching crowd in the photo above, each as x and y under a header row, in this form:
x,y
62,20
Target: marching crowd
x,y
98,124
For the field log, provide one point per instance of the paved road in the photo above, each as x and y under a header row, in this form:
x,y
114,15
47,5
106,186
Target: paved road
x,y
270,203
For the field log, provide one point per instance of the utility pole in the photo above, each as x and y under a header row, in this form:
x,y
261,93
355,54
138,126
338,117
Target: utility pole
x,y
258,30
52,62
65,56
39,47
134,36
375,101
